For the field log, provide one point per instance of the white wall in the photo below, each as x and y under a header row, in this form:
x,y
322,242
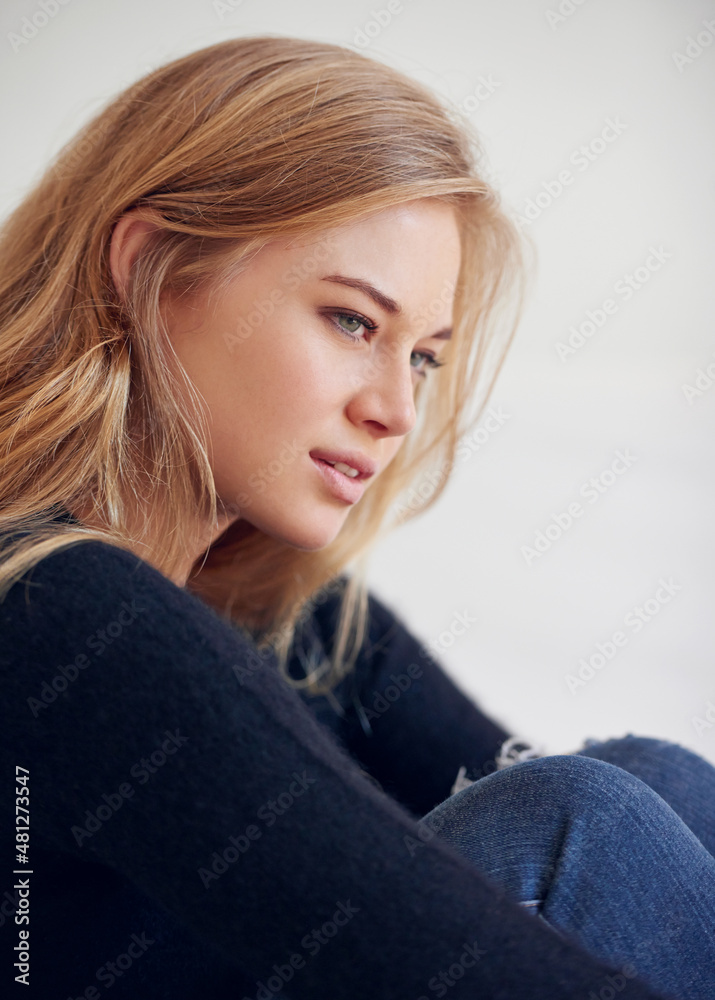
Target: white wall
x,y
553,88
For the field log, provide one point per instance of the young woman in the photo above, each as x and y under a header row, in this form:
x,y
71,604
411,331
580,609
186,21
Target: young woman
x,y
222,312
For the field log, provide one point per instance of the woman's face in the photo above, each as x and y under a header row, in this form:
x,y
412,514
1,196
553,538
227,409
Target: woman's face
x,y
312,355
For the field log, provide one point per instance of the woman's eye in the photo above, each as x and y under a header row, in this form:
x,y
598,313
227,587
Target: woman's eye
x,y
351,324
425,361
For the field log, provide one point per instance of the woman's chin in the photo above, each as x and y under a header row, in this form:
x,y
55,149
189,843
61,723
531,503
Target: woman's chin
x,y
309,537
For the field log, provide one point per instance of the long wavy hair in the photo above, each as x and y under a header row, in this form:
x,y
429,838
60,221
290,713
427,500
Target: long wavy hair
x,y
227,148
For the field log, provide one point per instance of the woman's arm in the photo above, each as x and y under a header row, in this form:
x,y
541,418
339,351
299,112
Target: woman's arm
x,y
418,727
145,662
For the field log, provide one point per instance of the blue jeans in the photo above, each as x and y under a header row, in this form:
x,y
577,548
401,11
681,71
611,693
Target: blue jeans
x,y
612,846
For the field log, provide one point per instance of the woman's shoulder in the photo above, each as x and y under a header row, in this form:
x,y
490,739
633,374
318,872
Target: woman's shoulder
x,y
91,601
74,553
83,573
95,568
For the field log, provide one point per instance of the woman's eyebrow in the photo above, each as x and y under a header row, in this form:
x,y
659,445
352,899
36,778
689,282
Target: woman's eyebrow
x,y
384,301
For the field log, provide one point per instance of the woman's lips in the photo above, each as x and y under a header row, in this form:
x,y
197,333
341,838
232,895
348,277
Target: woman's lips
x,y
341,486
363,464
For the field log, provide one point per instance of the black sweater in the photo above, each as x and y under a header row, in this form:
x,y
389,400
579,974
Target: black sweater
x,y
200,829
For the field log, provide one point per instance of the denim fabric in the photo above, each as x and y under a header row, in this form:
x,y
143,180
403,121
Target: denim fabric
x,y
611,846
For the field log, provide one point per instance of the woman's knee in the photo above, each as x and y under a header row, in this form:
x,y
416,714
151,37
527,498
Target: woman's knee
x,y
637,754
557,787
571,781
515,824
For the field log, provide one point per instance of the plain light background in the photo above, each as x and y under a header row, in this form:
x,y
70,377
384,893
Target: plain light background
x,y
539,80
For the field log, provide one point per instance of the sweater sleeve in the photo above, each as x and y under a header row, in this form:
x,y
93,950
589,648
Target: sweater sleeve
x,y
104,662
410,725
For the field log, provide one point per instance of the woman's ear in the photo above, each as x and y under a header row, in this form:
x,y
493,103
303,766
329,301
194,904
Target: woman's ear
x,y
128,237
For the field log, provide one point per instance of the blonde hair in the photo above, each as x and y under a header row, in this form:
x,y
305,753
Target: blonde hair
x,y
229,147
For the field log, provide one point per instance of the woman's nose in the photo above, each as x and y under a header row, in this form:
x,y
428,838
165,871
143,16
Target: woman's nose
x,y
385,394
